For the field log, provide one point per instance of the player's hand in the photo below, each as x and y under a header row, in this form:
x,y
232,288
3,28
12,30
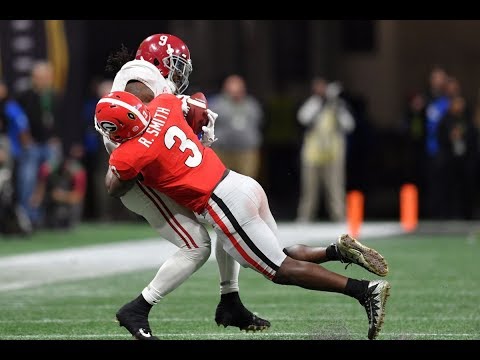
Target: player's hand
x,y
208,132
185,106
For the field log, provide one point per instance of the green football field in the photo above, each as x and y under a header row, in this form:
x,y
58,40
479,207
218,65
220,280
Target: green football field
x,y
435,295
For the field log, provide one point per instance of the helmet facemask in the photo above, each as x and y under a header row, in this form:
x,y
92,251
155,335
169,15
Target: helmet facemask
x,y
179,71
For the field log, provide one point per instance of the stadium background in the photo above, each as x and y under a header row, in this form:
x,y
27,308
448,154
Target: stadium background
x,y
379,62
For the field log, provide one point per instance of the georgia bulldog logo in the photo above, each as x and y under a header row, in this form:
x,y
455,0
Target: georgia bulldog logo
x,y
108,126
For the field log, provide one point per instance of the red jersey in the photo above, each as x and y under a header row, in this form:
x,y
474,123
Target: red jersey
x,y
170,157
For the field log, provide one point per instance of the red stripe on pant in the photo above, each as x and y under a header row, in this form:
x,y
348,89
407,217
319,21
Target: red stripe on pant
x,y
162,208
235,243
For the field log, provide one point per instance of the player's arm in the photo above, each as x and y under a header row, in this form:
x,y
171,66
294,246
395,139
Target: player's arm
x,y
140,90
115,186
120,176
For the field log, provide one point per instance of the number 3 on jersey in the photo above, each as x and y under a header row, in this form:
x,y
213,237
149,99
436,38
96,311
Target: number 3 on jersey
x,y
172,135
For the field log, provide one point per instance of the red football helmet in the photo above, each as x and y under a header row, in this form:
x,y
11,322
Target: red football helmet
x,y
120,116
171,56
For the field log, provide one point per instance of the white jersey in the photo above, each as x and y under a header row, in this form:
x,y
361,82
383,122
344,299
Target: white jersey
x,y
144,72
148,74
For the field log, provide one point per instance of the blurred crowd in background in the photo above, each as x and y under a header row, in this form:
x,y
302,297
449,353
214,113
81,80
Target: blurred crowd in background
x,y
48,181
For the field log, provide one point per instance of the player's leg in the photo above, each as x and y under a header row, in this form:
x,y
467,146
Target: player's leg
x,y
181,227
229,270
247,237
230,310
372,295
178,225
259,252
346,249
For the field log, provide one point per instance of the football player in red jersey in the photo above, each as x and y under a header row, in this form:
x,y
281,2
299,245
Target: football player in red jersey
x,y
162,64
159,149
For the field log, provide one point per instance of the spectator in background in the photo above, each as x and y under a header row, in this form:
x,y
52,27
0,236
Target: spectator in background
x,y
61,189
476,125
436,108
413,132
16,121
6,182
456,135
6,159
97,201
452,87
16,135
437,83
414,126
327,120
41,104
238,127
92,143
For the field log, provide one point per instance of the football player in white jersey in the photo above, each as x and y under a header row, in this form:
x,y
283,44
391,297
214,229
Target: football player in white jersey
x,y
162,65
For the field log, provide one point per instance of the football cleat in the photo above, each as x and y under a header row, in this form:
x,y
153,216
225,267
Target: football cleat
x,y
239,316
374,303
134,318
351,251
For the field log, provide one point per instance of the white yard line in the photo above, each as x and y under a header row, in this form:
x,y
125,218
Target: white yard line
x,y
391,318
256,335
30,270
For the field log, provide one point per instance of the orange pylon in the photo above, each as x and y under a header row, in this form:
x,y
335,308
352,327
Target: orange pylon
x,y
355,204
409,207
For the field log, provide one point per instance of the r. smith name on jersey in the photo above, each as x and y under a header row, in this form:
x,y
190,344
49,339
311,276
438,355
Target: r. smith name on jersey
x,y
155,126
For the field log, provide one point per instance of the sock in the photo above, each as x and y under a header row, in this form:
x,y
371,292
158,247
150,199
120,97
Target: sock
x,y
356,288
332,252
151,295
229,270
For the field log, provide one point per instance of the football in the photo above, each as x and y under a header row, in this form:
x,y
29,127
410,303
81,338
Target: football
x,y
197,116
